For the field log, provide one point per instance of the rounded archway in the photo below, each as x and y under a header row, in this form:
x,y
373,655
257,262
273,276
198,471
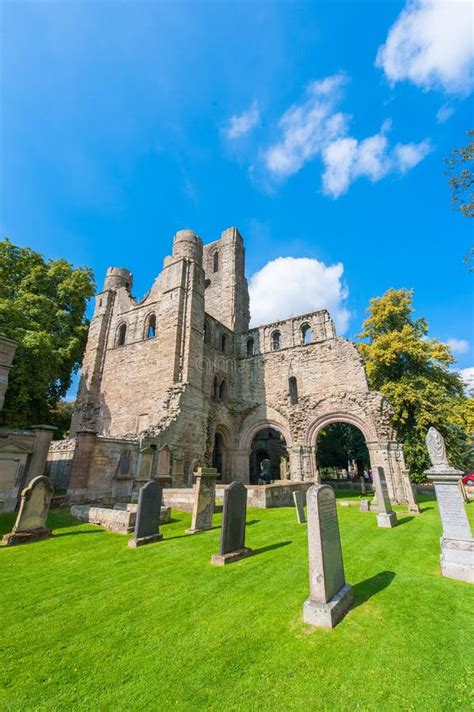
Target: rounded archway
x,y
341,452
268,443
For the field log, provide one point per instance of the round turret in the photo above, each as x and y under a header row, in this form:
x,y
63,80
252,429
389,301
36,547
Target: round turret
x,y
187,244
118,277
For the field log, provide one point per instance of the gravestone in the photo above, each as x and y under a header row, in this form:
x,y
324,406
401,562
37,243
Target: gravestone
x,y
233,526
298,499
386,517
364,505
457,542
204,499
362,485
30,523
147,522
330,596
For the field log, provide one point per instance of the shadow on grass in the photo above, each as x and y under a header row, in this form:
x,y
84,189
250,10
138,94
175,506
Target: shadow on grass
x,y
368,588
404,520
425,509
92,531
253,521
270,547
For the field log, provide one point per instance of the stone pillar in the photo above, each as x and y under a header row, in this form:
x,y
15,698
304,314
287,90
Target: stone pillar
x,y
307,459
382,455
81,464
296,463
37,465
204,499
7,352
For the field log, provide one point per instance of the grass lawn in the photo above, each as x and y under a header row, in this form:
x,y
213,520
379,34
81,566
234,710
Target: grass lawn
x,y
89,624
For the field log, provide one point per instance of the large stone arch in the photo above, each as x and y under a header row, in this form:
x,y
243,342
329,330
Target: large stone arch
x,y
261,417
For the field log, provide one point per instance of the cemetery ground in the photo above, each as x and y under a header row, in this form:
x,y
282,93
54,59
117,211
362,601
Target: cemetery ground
x,y
89,624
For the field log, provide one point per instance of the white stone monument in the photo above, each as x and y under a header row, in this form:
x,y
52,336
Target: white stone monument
x,y
457,542
386,517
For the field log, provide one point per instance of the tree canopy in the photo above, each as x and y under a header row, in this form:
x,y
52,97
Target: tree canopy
x,y
42,307
461,177
414,374
340,444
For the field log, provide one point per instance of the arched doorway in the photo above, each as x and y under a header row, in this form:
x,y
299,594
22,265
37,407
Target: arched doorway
x,y
218,455
341,452
267,444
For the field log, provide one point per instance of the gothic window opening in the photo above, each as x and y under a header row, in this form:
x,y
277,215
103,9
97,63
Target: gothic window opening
x,y
276,341
293,386
151,329
306,334
121,334
215,262
222,390
223,343
250,347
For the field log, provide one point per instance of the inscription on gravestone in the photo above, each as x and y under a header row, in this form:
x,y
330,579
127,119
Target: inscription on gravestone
x,y
233,526
330,596
148,515
30,523
452,511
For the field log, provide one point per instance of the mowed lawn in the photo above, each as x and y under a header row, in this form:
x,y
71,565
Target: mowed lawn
x,y
89,624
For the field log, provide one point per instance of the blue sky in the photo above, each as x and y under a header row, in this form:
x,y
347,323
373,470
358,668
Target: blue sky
x,y
317,128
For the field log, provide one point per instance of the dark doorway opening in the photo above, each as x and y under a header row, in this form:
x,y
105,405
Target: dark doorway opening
x,y
341,452
268,444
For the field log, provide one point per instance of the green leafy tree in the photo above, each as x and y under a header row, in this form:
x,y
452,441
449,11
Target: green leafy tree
x,y
42,307
339,444
413,372
461,177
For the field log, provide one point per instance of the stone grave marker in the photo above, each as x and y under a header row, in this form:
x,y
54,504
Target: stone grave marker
x,y
298,499
30,523
386,517
204,499
457,542
147,522
233,526
330,596
364,505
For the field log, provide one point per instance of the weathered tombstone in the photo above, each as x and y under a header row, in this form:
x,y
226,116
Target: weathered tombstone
x,y
204,499
298,499
30,523
364,505
330,596
386,517
457,542
147,523
233,526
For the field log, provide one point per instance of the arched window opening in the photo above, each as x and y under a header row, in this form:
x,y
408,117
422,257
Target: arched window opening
x,y
223,343
306,334
215,388
207,333
121,334
267,451
215,262
293,386
151,329
222,390
276,341
250,347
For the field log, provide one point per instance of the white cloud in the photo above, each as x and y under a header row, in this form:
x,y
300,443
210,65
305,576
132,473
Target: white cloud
x,y
242,124
444,113
315,128
430,44
467,375
289,286
458,346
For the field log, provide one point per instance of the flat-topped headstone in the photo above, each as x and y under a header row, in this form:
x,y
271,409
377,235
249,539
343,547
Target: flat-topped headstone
x,y
233,526
364,505
457,542
298,499
147,523
386,517
330,596
31,520
204,499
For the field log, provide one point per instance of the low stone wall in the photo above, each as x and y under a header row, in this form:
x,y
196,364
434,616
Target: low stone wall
x,y
278,494
115,520
58,464
165,512
354,486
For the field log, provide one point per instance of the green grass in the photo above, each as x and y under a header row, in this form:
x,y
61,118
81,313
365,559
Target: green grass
x,y
89,624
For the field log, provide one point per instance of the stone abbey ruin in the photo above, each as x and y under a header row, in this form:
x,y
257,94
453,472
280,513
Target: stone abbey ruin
x,y
179,380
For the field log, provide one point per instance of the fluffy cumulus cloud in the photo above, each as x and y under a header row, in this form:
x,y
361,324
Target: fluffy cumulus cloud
x,y
315,128
289,286
467,375
458,346
243,123
431,45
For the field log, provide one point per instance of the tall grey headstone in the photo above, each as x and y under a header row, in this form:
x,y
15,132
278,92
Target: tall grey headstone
x,y
147,522
31,520
233,526
330,596
204,499
386,517
298,499
457,542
